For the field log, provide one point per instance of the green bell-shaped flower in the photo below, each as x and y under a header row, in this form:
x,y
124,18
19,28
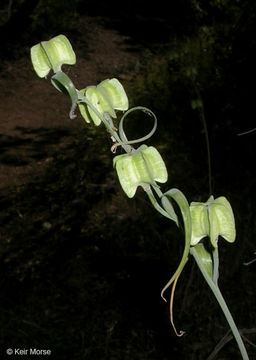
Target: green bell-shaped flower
x,y
145,166
213,218
108,96
113,90
98,101
51,55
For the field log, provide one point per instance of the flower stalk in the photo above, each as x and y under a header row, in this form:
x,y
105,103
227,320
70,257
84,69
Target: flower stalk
x,y
222,303
145,167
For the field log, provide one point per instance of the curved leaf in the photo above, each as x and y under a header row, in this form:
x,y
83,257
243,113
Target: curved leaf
x,y
182,202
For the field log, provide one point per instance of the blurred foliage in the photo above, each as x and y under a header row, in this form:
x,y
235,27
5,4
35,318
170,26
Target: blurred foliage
x,y
42,13
206,71
61,16
27,21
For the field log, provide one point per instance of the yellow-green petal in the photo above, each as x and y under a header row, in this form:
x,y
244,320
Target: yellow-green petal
x,y
51,55
200,223
115,92
156,164
84,109
59,52
40,61
222,215
100,102
128,174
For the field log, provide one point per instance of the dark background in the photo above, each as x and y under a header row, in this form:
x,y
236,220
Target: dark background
x,y
81,265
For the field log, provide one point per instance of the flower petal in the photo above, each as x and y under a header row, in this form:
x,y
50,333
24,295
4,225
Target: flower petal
x,y
114,91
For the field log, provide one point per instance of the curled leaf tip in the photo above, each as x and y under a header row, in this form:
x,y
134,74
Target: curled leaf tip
x,y
162,296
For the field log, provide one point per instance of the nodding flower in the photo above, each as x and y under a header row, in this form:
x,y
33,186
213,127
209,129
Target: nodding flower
x,y
106,97
145,166
51,55
213,219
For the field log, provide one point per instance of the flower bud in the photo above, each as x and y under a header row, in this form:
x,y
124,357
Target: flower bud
x,y
145,166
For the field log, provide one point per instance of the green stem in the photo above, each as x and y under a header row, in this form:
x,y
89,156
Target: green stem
x,y
154,202
63,84
217,293
215,254
109,128
122,140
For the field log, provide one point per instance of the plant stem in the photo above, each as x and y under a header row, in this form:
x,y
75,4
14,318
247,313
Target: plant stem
x,y
215,254
154,202
217,293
